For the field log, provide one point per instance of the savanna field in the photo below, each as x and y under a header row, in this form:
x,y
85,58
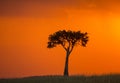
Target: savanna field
x,y
63,79
59,41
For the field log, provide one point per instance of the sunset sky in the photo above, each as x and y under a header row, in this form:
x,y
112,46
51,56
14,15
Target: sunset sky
x,y
26,24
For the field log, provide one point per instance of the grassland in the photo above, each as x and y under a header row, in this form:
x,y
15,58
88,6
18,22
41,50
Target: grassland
x,y
63,79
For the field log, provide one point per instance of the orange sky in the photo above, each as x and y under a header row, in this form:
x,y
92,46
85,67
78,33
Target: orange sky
x,y
26,24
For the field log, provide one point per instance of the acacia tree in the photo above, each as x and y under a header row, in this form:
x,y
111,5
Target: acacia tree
x,y
68,40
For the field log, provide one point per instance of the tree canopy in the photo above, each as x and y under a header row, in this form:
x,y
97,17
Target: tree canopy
x,y
68,39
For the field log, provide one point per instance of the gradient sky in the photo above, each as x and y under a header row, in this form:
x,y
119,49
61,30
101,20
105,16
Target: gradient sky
x,y
26,24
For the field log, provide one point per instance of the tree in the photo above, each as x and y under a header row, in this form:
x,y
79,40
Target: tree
x,y
68,40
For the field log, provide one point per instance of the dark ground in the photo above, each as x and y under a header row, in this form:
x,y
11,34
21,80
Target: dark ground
x,y
62,79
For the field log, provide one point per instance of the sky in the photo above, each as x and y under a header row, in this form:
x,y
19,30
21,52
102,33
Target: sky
x,y
26,24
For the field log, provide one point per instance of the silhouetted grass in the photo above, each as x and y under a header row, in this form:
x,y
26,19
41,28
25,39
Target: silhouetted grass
x,y
62,79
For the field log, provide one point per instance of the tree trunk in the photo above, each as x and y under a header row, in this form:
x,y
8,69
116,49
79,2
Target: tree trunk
x,y
66,73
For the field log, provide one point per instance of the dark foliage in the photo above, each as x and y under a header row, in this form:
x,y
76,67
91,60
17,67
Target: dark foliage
x,y
67,38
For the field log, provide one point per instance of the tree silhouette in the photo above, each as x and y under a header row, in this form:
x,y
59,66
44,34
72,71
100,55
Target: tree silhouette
x,y
68,40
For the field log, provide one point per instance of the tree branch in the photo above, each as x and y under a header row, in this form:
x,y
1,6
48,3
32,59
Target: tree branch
x,y
71,48
64,47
